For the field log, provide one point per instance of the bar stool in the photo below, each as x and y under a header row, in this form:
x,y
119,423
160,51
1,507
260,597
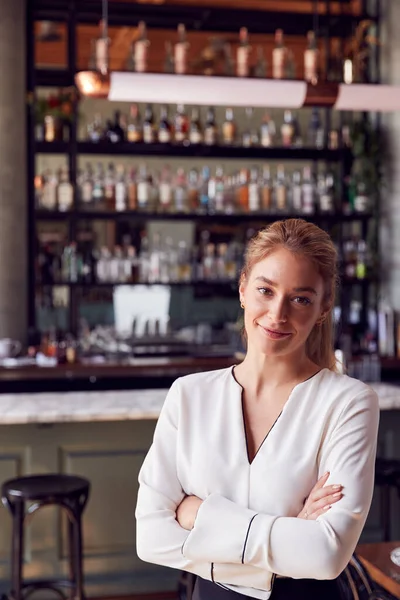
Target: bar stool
x,y
387,477
67,491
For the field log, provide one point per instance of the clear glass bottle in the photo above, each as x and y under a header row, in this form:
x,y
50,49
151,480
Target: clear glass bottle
x,y
267,131
266,192
49,196
181,51
229,128
219,199
184,262
195,128
326,192
143,189
315,134
169,66
296,193
279,56
65,192
281,191
210,128
180,192
204,199
95,129
309,190
288,129
243,54
134,132
193,186
109,187
86,193
121,191
102,43
249,136
254,191
98,185
165,190
164,126
148,125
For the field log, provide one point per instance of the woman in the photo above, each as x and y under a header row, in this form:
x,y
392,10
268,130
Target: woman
x,y
260,476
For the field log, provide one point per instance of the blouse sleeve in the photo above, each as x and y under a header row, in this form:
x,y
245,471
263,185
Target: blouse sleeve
x,y
226,532
159,537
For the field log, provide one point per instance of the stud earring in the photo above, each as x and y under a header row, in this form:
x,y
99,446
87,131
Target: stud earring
x,y
242,305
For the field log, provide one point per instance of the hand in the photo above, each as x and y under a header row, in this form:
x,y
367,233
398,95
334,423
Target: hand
x,y
320,499
186,512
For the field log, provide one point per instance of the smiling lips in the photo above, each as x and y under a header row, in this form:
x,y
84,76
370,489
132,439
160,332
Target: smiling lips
x,y
275,335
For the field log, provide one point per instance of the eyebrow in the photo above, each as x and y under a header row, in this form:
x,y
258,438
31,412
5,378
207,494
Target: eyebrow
x,y
273,284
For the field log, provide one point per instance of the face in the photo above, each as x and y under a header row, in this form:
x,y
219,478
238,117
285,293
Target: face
x,y
283,299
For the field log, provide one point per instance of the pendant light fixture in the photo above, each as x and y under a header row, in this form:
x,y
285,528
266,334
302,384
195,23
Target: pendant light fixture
x,y
96,82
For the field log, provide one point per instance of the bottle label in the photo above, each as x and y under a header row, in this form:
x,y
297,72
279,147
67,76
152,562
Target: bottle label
x,y
228,132
120,196
87,192
180,54
278,63
310,65
308,199
287,131
49,198
266,140
65,197
326,202
297,198
281,197
141,56
143,193
254,197
195,137
165,192
210,135
266,198
148,133
242,67
164,136
133,134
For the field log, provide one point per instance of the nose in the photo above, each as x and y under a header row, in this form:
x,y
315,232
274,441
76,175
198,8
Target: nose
x,y
278,310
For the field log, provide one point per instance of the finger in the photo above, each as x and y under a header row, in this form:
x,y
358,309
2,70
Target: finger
x,y
324,492
321,481
319,512
331,499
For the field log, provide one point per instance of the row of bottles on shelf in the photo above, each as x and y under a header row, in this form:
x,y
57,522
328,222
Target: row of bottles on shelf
x,y
283,64
180,129
257,190
165,261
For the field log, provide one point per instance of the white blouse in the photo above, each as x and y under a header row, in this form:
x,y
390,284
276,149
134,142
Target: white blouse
x,y
246,532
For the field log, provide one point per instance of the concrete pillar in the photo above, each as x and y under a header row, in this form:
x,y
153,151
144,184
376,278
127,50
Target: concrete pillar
x,y
13,188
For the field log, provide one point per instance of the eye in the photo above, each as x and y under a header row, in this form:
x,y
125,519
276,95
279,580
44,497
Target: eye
x,y
303,300
265,291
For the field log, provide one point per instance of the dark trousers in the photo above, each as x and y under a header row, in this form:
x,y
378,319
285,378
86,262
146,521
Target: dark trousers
x,y
283,589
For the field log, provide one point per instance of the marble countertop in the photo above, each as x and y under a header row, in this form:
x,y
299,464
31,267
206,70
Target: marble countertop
x,y
68,407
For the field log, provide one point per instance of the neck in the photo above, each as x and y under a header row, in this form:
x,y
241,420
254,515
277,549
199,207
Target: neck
x,y
259,371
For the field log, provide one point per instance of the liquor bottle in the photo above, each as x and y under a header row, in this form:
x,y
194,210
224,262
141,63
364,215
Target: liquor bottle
x,y
164,126
219,198
210,128
308,188
279,56
132,190
290,65
311,59
326,192
229,128
165,190
181,125
181,51
296,193
288,129
281,199
169,66
141,49
38,184
229,63
49,196
209,263
267,131
109,187
134,131
102,44
98,185
254,191
193,190
119,133
121,192
180,192
315,130
143,189
195,129
184,268
266,192
243,190
243,54
249,137
260,69
65,192
95,129
148,125
204,190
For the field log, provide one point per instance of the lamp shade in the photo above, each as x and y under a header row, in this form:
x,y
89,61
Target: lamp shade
x,y
93,84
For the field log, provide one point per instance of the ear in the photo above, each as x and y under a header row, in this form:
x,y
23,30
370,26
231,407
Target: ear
x,y
242,287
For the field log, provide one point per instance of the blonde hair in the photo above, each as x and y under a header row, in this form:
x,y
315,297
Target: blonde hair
x,y
300,237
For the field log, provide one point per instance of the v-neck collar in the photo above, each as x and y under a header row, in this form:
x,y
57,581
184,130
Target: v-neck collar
x,y
244,433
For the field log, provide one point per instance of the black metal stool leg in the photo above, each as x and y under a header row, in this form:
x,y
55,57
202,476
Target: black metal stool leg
x,y
76,555
17,549
72,574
